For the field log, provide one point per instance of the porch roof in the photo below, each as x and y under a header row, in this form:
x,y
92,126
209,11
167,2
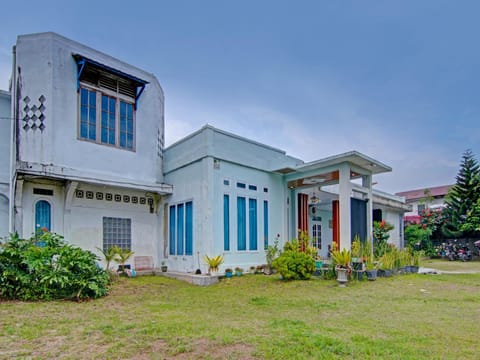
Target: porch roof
x,y
353,157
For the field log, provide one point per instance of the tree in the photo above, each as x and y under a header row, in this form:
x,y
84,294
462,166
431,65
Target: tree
x,y
462,197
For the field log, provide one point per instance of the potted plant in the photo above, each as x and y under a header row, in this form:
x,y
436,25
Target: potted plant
x,y
228,273
164,267
213,263
342,260
122,257
238,271
387,263
371,270
415,262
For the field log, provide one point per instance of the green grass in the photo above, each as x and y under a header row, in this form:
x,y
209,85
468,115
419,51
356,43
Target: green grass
x,y
460,266
255,316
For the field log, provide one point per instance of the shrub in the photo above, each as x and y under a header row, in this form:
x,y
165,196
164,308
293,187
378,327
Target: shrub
x,y
296,262
45,267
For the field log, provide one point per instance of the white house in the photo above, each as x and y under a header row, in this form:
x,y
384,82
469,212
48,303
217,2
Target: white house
x,y
86,160
5,134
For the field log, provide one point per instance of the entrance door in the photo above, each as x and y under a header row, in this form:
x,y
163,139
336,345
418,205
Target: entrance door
x,y
317,236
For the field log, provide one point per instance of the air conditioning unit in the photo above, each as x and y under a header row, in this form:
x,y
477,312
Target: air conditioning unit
x,y
314,210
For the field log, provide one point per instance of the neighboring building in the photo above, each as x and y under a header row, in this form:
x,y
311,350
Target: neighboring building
x,y
422,199
5,135
87,161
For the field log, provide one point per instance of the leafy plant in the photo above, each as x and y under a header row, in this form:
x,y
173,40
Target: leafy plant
x,y
381,235
294,265
123,255
342,258
111,254
213,262
55,270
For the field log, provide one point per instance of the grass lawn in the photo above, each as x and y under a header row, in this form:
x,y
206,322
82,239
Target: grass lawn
x,y
254,316
460,266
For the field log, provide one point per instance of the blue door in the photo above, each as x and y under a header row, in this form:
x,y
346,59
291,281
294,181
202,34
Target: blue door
x,y
43,215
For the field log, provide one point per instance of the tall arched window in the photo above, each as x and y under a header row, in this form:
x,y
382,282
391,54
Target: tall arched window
x,y
43,215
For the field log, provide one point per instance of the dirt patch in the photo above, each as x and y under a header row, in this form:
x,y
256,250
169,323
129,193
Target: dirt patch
x,y
201,349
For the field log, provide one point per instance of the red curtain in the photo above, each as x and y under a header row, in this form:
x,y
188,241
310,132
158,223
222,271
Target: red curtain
x,y
303,212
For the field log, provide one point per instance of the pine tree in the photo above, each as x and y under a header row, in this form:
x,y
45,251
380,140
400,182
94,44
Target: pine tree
x,y
463,196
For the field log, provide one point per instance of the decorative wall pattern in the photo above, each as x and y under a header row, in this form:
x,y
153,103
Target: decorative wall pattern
x,y
34,117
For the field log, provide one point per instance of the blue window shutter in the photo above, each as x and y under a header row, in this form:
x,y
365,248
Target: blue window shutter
x,y
172,229
241,224
43,215
226,223
252,222
180,231
189,228
265,224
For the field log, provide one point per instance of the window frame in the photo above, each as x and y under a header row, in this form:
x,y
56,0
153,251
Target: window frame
x,y
187,228
99,92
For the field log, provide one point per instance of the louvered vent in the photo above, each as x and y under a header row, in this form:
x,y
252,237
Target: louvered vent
x,y
127,88
107,83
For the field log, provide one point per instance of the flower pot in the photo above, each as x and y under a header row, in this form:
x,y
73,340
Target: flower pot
x,y
358,274
228,274
164,268
414,269
342,276
371,274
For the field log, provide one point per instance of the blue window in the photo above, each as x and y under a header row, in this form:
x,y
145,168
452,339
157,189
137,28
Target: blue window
x,y
226,182
241,224
116,118
265,224
189,228
241,185
226,223
108,119
126,125
252,187
43,215
252,224
88,114
181,229
172,228
180,234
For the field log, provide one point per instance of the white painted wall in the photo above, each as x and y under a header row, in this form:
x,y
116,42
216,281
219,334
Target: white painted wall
x,y
5,129
48,69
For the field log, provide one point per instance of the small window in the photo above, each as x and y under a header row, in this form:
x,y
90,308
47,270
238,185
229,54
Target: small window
x,y
252,187
241,185
39,191
226,182
420,208
117,232
265,190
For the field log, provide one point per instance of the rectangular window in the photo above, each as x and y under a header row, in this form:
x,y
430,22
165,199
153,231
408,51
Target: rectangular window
x,y
117,119
252,224
189,228
252,187
420,208
180,233
117,232
126,125
88,114
265,224
181,229
241,185
226,223
241,224
108,119
172,228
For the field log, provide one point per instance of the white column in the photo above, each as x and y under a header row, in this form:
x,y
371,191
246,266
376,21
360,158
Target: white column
x,y
345,190
367,184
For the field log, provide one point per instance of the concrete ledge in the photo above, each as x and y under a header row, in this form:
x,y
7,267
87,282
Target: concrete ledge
x,y
200,280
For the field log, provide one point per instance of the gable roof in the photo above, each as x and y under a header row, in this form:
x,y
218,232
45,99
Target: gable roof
x,y
436,191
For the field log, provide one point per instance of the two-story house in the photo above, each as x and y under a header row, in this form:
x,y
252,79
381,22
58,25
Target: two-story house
x,y
87,160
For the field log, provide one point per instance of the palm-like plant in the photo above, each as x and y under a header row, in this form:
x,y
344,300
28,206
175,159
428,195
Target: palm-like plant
x,y
213,262
123,256
111,254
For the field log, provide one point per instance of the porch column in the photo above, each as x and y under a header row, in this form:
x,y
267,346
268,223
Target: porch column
x,y
367,184
345,190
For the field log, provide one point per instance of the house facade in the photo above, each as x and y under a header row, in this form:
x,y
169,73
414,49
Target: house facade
x,y
422,199
86,159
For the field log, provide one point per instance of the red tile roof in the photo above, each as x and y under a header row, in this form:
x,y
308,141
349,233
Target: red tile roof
x,y
437,191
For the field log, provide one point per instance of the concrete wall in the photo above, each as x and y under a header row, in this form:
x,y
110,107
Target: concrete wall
x,y
82,223
5,132
202,182
48,69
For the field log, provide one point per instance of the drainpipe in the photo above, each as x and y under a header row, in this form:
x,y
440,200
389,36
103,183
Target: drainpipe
x,y
13,141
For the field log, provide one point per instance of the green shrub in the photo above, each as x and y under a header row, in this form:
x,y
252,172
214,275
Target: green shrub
x,y
296,262
46,267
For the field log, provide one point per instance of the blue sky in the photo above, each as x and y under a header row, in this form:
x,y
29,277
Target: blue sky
x,y
396,80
